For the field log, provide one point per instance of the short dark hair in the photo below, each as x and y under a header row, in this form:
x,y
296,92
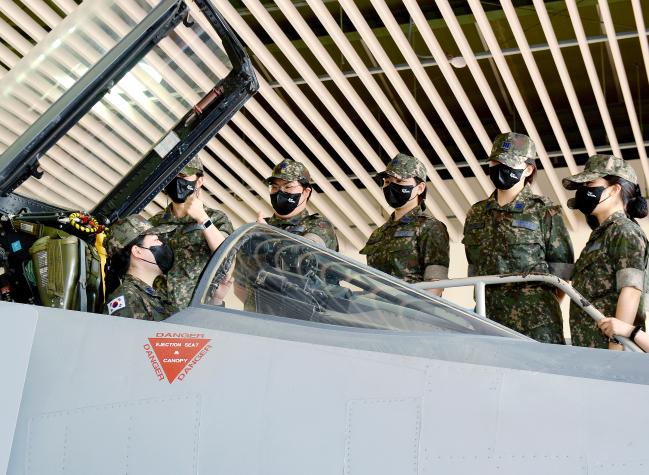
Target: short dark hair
x,y
305,183
635,205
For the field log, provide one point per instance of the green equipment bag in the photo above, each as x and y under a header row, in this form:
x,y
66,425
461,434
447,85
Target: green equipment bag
x,y
56,268
66,269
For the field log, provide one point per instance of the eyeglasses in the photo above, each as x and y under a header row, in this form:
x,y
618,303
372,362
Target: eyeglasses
x,y
291,188
405,182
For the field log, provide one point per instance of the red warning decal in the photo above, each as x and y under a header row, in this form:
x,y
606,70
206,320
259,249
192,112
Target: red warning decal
x,y
174,355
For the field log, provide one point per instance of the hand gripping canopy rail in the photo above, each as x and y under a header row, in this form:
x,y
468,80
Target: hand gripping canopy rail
x,y
479,284
50,255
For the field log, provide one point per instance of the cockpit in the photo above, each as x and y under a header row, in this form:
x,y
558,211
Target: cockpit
x,y
104,84
276,273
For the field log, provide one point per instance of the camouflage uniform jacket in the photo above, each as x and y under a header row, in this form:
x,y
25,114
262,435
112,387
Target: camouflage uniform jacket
x,y
304,224
136,299
525,236
614,257
191,251
414,248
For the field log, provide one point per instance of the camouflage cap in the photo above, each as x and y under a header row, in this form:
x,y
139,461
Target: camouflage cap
x,y
513,150
193,167
290,170
404,166
125,230
599,166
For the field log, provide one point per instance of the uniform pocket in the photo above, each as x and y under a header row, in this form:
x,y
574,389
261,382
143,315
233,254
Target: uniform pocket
x,y
403,258
525,230
191,237
589,259
473,240
524,247
594,275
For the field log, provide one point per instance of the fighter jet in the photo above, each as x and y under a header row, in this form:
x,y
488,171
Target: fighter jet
x,y
316,364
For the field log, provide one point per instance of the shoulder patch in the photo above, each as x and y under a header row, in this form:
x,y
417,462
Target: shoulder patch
x,y
116,304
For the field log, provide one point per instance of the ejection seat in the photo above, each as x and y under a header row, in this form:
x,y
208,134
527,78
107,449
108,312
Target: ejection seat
x,y
63,269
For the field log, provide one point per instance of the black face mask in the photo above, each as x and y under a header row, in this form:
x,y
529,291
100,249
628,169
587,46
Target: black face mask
x,y
180,189
163,255
587,198
397,195
504,177
285,203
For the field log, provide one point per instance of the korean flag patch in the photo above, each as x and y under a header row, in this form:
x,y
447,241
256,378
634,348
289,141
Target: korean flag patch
x,y
116,304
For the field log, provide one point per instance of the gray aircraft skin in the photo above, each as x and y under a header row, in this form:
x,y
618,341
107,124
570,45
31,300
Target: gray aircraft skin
x,y
331,367
267,394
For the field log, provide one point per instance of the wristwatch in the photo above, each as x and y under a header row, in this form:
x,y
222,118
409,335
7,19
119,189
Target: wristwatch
x,y
634,332
207,223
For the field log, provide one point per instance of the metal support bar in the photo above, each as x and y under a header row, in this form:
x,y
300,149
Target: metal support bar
x,y
479,284
480,305
427,62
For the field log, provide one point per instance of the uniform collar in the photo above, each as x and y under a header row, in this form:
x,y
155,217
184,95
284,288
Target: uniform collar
x,y
140,284
171,218
616,217
411,215
515,206
292,221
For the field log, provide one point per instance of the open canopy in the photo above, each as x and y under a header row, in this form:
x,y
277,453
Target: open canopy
x,y
88,86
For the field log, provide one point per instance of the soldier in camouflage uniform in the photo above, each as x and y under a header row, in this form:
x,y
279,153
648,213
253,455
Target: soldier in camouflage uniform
x,y
517,232
136,253
412,245
290,190
610,272
198,232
